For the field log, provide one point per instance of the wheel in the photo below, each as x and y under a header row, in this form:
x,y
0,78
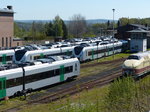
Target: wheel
x,y
18,93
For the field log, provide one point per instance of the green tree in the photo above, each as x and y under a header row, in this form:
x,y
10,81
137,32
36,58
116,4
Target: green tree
x,y
124,21
58,26
49,30
121,95
65,30
18,31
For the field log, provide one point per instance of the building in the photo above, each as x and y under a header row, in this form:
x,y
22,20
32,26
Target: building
x,y
123,31
7,28
138,42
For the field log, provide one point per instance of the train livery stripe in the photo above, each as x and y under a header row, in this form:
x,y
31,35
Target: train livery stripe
x,y
4,59
92,54
2,87
41,55
62,73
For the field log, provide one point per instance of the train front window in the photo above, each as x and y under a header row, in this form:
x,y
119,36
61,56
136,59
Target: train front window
x,y
134,57
19,54
78,49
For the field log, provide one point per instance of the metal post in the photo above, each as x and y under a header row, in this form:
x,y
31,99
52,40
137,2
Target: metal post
x,y
97,50
23,84
113,32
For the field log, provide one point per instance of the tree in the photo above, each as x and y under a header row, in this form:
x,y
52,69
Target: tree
x,y
118,23
65,30
49,30
33,31
18,31
58,26
77,25
124,21
108,24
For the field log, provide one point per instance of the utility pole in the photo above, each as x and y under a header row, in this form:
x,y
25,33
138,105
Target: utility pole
x,y
113,32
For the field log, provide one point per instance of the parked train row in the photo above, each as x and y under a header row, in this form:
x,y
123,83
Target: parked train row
x,y
16,81
83,53
94,52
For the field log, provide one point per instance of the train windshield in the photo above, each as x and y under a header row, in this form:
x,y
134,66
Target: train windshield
x,y
19,54
78,49
134,57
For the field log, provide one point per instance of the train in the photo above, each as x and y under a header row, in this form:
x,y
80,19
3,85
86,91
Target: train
x,y
136,64
6,56
22,55
13,82
86,53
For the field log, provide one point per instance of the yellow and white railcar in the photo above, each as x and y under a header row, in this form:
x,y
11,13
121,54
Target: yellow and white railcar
x,y
137,64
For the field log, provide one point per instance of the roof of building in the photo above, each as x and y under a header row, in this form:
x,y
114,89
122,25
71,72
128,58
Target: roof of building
x,y
135,25
17,39
7,10
139,30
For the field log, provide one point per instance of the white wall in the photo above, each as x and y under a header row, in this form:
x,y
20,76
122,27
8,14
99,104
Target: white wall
x,y
137,45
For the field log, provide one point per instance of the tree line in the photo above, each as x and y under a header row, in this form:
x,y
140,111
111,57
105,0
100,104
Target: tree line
x,y
75,27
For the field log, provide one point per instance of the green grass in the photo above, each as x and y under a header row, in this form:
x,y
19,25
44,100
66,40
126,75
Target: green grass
x,y
97,67
121,96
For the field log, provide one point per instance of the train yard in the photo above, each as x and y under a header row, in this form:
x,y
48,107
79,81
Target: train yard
x,y
99,78
45,76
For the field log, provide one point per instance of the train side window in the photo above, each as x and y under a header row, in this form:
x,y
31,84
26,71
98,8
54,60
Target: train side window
x,y
57,72
4,84
0,59
51,73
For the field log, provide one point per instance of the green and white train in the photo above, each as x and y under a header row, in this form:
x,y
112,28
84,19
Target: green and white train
x,y
6,56
94,52
17,80
22,56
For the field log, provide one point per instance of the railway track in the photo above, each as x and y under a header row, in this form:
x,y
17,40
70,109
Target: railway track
x,y
98,82
77,88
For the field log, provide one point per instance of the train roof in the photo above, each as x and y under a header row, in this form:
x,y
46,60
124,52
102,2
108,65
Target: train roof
x,y
142,54
48,50
6,52
105,45
35,68
49,59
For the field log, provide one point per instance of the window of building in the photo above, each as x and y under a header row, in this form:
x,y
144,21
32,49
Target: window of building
x,y
2,41
17,43
10,42
6,42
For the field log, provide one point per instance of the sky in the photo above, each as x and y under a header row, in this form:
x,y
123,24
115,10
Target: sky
x,y
90,9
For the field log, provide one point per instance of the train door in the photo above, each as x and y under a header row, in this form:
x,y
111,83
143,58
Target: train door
x,y
62,73
2,87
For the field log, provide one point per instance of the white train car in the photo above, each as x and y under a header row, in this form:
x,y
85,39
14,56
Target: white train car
x,y
22,56
6,56
15,81
137,64
94,52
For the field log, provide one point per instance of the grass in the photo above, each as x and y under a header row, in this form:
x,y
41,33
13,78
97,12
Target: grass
x,y
121,96
97,68
81,102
